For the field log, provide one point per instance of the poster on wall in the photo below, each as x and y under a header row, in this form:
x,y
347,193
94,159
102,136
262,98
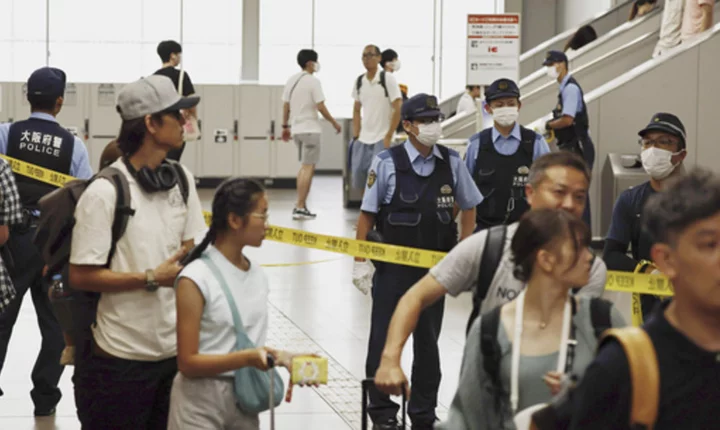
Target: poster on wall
x,y
493,48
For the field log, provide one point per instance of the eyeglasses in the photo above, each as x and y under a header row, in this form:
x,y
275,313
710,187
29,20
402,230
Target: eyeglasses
x,y
369,55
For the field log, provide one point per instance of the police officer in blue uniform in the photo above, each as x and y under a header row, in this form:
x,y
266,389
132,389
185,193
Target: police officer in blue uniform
x,y
39,140
570,121
410,199
664,149
499,157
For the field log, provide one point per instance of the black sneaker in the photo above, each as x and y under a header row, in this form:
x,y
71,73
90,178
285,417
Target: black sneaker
x,y
390,425
303,213
44,413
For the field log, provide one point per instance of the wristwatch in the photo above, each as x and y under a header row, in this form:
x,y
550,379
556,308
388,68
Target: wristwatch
x,y
150,283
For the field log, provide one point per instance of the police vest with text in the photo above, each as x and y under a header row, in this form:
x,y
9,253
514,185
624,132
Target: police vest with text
x,y
569,137
501,179
45,144
420,214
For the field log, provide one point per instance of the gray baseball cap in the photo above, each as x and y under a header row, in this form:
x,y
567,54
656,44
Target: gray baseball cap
x,y
153,94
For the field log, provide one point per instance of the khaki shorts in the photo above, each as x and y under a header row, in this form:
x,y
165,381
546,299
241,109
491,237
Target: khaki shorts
x,y
308,147
206,403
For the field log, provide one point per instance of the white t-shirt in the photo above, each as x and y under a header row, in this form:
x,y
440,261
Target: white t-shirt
x,y
303,102
376,108
458,272
250,292
135,325
466,104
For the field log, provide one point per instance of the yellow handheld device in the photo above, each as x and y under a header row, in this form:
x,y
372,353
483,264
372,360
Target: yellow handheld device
x,y
309,370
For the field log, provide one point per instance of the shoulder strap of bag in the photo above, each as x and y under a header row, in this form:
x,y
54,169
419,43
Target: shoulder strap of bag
x,y
181,80
242,339
358,84
492,253
490,348
382,82
295,85
123,209
600,311
644,374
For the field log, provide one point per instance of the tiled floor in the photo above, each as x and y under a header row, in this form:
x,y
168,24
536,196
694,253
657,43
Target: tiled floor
x,y
313,307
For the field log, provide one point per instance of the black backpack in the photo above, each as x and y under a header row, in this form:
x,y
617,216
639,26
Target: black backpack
x,y
492,254
54,235
358,84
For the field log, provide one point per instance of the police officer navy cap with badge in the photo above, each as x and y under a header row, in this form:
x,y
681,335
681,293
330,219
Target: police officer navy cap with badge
x,y
46,81
421,106
553,57
502,88
666,123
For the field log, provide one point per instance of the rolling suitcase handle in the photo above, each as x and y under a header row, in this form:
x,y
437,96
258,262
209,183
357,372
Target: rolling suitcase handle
x,y
271,364
366,384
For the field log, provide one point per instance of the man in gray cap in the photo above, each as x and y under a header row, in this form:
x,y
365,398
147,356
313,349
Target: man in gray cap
x,y
124,380
41,141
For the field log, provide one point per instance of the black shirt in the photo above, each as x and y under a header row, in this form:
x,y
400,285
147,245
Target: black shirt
x,y
174,74
689,384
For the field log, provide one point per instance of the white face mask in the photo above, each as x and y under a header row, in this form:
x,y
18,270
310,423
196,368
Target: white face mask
x,y
552,72
429,134
395,65
316,67
505,116
657,162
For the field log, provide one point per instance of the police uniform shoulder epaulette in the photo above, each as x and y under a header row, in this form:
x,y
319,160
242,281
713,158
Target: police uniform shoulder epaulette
x,y
384,155
453,153
474,138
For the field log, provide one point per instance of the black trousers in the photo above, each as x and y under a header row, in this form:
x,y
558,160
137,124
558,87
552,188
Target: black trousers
x,y
27,276
389,284
118,394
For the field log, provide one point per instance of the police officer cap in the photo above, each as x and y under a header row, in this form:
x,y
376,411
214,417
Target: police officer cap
x,y
553,57
666,123
46,81
502,88
421,106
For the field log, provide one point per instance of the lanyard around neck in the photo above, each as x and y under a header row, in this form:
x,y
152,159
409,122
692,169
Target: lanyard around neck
x,y
565,354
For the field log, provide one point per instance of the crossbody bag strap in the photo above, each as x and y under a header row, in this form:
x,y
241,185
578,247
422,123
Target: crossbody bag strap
x,y
180,83
241,336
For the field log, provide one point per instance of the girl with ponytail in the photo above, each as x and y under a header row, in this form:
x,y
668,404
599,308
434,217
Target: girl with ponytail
x,y
202,394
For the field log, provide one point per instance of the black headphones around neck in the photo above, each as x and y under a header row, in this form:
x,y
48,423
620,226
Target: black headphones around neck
x,y
163,178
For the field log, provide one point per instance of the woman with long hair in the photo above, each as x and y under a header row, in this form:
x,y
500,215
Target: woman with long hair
x,y
521,354
203,391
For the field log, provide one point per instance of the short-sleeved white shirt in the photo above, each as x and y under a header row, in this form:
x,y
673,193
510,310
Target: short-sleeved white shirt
x,y
250,292
303,100
459,271
376,108
135,325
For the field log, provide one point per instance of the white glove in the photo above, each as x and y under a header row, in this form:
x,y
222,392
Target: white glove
x,y
362,275
656,272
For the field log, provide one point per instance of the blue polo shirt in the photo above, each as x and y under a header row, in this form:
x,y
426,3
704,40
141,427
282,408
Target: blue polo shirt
x,y
504,145
571,97
466,193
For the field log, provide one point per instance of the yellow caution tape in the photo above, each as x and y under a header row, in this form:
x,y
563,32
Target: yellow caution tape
x,y
36,172
616,281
